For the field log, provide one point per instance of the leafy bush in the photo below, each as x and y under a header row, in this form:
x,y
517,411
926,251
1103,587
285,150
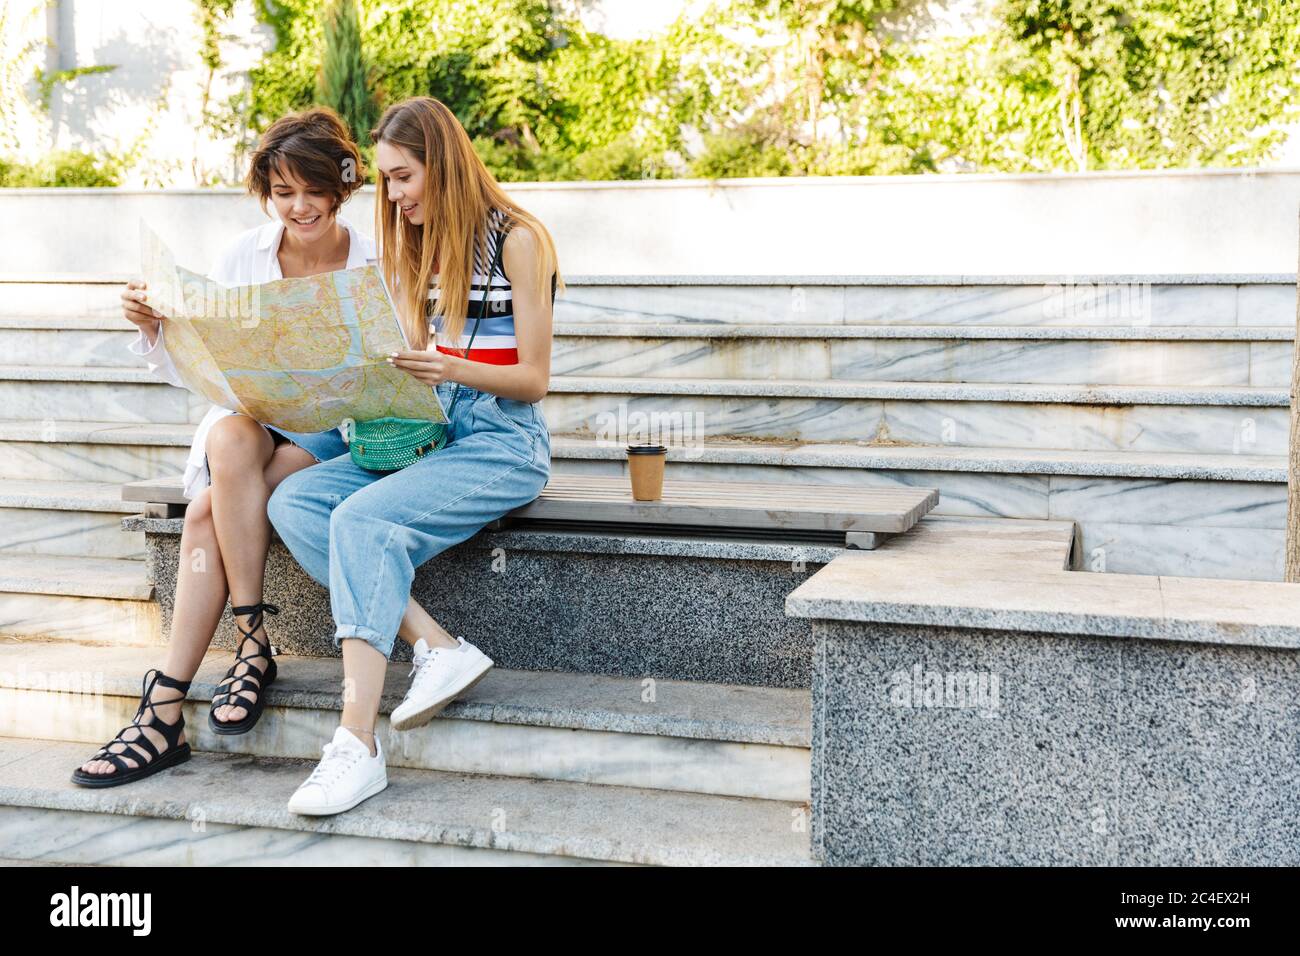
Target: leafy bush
x,y
736,155
68,168
515,163
817,87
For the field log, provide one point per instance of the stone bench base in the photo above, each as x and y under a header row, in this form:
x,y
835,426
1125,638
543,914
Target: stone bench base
x,y
628,605
956,746
974,703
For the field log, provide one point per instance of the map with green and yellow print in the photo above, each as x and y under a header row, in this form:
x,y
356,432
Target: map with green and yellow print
x,y
303,354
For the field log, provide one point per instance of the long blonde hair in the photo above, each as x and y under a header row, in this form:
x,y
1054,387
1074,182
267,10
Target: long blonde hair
x,y
459,194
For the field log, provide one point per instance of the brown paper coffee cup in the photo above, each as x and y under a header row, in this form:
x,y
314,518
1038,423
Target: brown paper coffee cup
x,y
645,465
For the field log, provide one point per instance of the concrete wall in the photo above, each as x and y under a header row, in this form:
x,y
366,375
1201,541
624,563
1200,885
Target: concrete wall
x,y
1139,222
152,100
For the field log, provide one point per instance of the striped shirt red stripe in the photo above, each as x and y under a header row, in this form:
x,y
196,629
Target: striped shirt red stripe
x,y
490,356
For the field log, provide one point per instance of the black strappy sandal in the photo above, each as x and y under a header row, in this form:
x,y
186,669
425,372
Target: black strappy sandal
x,y
252,679
176,753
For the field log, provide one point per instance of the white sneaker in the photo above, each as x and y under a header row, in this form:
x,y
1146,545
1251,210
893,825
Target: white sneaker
x,y
441,674
345,776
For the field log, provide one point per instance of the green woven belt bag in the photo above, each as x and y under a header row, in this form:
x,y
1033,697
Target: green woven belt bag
x,y
387,444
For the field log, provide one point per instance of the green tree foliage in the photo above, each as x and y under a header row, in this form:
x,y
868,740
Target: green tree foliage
x,y
343,83
1150,83
820,87
63,168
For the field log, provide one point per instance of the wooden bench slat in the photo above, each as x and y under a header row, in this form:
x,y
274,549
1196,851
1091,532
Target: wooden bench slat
x,y
722,493
722,504
619,488
166,490
622,482
772,491
807,515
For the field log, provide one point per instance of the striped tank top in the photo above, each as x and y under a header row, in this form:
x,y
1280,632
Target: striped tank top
x,y
495,341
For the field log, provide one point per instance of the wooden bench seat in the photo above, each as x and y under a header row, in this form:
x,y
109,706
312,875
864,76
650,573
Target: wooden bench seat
x,y
859,518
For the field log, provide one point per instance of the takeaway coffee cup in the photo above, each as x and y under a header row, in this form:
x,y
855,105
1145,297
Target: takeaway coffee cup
x,y
645,464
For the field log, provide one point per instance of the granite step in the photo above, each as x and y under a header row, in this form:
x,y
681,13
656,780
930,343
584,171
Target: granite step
x,y
75,518
230,809
723,739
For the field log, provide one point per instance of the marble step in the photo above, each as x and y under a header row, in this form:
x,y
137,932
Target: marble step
x,y
1219,420
98,451
1138,512
75,577
1140,355
721,739
54,294
1218,516
1153,355
794,460
1174,514
80,600
230,809
99,341
68,392
844,461
84,621
75,518
1108,300
1115,300
1214,420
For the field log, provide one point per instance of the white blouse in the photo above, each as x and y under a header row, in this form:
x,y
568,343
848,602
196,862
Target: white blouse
x,y
251,259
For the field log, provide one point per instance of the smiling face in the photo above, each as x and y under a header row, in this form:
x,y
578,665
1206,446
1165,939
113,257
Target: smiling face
x,y
403,178
304,208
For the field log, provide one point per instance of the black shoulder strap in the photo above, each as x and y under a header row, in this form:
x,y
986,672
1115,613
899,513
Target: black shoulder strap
x,y
487,291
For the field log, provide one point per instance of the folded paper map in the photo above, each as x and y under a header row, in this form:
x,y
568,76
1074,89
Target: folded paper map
x,y
304,355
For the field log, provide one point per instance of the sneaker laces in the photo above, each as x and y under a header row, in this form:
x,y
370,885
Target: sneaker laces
x,y
333,763
422,668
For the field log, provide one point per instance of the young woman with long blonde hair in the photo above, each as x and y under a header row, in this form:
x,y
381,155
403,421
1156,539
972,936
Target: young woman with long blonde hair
x,y
449,239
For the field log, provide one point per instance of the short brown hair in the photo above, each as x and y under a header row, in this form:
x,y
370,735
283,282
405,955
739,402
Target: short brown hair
x,y
316,147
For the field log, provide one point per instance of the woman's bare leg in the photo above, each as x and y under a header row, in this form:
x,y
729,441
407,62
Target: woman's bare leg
x,y
200,599
246,466
417,624
363,683
201,589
